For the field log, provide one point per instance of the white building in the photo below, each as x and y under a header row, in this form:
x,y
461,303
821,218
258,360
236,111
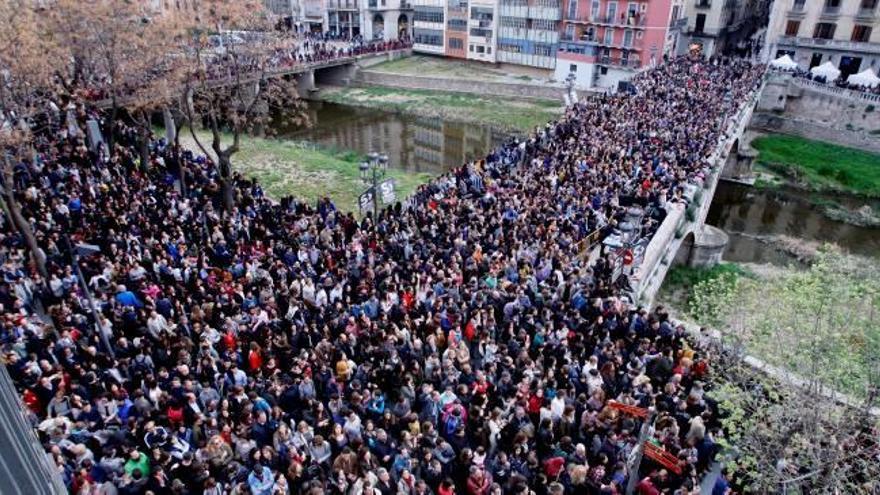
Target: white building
x,y
812,32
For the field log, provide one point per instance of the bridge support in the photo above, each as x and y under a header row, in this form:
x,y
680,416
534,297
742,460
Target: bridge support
x,y
305,83
738,166
702,249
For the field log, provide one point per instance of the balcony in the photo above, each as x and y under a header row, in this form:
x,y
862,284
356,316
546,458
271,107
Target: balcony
x,y
866,14
829,12
619,20
841,45
626,63
798,11
679,23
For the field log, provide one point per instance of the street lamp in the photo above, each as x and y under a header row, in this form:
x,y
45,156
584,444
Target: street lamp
x,y
372,172
77,251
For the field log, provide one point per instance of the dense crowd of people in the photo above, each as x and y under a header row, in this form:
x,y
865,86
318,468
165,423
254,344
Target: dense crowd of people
x,y
458,345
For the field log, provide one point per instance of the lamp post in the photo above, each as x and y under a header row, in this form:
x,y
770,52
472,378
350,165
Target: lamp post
x,y
76,251
372,172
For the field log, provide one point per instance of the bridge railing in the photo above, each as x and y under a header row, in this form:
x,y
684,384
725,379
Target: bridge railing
x,y
850,94
648,275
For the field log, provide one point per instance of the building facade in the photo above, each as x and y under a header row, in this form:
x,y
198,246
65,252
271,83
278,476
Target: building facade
x,y
522,32
528,32
812,32
604,42
387,19
429,26
717,26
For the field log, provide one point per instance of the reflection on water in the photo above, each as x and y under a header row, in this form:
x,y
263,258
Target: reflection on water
x,y
747,214
414,144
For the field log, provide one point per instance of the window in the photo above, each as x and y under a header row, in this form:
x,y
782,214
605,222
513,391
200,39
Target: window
x,y
509,47
594,10
544,24
482,14
459,25
572,68
792,28
484,33
428,37
868,4
824,30
700,23
513,22
609,36
481,49
543,50
572,9
428,14
861,33
471,48
569,32
456,44
628,38
612,11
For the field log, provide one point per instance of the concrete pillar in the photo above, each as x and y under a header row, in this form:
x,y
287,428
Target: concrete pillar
x,y
305,83
739,165
708,247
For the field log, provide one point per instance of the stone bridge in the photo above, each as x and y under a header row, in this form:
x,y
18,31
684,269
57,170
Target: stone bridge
x,y
684,238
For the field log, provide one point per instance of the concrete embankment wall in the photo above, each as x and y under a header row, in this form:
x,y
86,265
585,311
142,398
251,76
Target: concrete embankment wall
x,y
378,78
808,110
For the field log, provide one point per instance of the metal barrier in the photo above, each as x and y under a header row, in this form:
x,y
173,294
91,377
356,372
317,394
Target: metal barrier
x,y
25,467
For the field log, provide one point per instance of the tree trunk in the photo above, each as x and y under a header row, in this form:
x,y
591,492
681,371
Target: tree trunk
x,y
144,140
111,126
226,182
13,212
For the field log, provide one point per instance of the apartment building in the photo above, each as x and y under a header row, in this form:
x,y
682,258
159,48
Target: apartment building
x,y
718,25
812,32
429,26
604,42
482,30
387,19
343,17
522,32
528,32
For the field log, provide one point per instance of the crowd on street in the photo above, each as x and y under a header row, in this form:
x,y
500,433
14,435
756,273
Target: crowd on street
x,y
458,345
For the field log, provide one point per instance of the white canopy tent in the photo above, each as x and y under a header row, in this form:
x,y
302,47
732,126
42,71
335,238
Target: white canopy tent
x,y
826,70
784,62
866,77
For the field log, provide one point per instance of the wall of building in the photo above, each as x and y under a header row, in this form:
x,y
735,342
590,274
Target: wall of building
x,y
793,25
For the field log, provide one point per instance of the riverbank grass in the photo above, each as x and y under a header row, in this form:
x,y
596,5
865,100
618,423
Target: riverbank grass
x,y
305,171
821,166
678,286
507,114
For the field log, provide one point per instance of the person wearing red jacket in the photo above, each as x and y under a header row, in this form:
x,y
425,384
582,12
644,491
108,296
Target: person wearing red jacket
x,y
479,481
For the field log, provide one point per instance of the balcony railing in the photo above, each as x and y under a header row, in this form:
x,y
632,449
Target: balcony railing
x,y
629,63
852,46
829,11
866,14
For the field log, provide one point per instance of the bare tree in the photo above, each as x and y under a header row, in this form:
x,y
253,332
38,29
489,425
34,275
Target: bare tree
x,y
233,89
27,53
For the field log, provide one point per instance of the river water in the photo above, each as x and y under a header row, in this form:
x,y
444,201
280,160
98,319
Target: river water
x,y
751,216
412,143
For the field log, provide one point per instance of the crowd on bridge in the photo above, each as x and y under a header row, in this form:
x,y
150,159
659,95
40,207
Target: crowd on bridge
x,y
458,345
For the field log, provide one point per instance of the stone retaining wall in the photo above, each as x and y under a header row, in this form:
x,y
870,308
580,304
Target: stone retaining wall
x,y
378,78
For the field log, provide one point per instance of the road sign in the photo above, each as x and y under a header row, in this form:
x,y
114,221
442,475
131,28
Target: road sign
x,y
386,190
366,199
